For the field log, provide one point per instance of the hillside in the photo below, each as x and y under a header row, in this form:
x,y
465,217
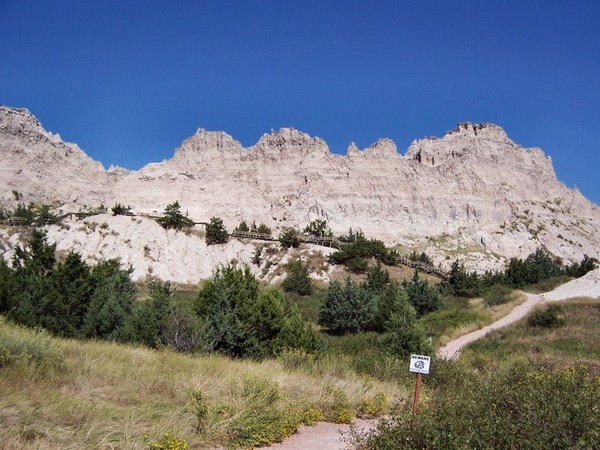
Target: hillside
x,y
472,194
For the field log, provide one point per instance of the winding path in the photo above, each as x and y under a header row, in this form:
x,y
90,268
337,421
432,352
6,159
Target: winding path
x,y
452,349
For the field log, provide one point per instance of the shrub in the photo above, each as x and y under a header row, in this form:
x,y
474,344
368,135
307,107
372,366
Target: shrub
x,y
260,419
167,442
497,295
298,279
173,218
524,407
348,308
440,322
548,317
317,228
373,407
289,238
336,405
121,210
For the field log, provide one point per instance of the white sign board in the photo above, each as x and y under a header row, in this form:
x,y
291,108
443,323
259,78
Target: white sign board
x,y
419,364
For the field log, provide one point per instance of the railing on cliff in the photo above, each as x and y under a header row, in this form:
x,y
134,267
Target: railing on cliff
x,y
333,242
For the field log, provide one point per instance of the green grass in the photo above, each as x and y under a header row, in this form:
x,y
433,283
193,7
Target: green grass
x,y
308,305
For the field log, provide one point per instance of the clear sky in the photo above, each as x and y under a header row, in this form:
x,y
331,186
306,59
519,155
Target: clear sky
x,y
129,80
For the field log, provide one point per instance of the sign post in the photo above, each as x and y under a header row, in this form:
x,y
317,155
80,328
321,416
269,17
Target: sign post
x,y
419,364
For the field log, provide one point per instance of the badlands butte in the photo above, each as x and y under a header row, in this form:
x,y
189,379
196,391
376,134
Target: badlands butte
x,y
472,195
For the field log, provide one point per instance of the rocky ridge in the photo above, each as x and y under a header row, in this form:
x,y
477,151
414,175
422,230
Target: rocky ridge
x,y
472,194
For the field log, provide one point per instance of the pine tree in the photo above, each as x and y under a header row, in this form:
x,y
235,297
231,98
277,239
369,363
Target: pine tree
x,y
173,218
216,233
298,279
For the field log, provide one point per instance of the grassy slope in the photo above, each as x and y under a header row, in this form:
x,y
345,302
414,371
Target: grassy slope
x,y
109,396
575,343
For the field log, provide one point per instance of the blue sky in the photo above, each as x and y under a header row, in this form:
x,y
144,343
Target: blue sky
x,y
129,80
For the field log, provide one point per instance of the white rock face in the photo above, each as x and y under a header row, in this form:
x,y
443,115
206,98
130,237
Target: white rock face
x,y
472,194
41,167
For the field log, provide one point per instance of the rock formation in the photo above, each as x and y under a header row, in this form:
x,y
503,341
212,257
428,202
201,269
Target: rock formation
x,y
472,194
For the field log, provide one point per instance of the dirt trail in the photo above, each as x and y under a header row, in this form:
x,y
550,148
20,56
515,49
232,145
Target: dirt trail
x,y
586,286
452,349
322,436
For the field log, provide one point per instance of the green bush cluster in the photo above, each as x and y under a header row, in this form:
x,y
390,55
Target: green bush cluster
x,y
121,210
253,228
68,298
289,238
539,269
317,228
353,308
355,253
524,407
241,320
31,214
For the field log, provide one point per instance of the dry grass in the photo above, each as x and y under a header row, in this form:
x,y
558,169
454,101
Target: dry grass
x,y
487,315
109,396
575,343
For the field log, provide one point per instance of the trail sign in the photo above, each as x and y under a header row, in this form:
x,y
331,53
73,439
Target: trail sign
x,y
419,364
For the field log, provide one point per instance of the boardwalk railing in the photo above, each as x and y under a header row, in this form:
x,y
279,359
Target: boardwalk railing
x,y
333,242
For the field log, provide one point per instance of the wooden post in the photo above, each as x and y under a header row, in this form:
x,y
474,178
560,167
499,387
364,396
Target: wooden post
x,y
417,393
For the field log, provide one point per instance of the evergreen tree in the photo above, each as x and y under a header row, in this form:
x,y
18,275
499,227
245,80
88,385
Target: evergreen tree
x,y
173,218
348,308
149,321
462,283
391,300
317,228
111,303
241,320
423,297
377,278
263,229
74,287
243,226
298,278
216,232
